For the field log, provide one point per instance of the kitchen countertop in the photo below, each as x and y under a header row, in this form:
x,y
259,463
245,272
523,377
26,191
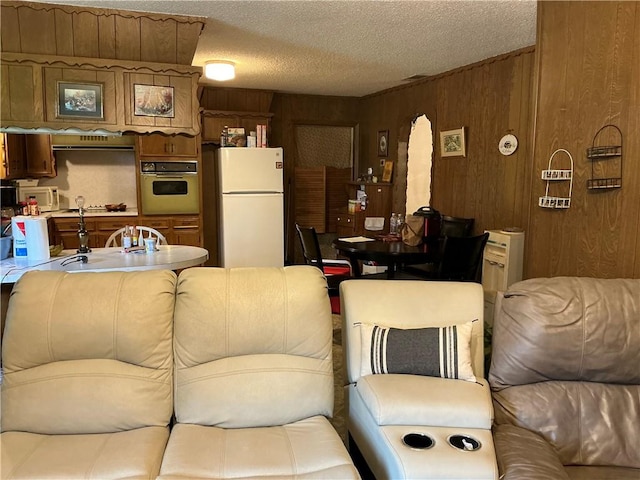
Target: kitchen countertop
x,y
170,257
130,212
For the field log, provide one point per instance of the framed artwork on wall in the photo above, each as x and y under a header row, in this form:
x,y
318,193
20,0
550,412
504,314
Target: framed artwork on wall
x,y
452,143
79,100
153,101
383,143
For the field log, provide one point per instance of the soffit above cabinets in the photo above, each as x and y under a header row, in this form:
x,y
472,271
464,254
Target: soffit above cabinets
x,y
77,31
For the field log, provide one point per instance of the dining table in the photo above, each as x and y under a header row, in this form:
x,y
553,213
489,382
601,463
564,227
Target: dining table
x,y
169,257
393,254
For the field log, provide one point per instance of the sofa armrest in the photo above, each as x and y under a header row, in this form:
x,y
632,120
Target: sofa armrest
x,y
524,454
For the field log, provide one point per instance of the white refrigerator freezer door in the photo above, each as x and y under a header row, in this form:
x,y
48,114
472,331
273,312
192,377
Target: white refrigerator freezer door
x,y
252,230
250,169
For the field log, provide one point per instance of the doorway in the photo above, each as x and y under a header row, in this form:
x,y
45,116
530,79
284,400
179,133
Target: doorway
x,y
325,156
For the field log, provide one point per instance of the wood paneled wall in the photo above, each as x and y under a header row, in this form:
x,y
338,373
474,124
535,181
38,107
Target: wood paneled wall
x,y
291,110
584,74
589,76
490,99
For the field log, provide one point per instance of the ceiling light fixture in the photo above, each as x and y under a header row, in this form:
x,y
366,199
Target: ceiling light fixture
x,y
219,70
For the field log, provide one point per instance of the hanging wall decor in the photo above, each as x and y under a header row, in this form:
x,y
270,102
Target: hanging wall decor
x,y
611,154
554,175
452,143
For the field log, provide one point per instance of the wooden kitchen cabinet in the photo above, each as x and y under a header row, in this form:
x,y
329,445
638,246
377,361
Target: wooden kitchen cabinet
x,y
27,156
40,159
105,226
186,230
65,231
13,156
158,145
213,121
177,229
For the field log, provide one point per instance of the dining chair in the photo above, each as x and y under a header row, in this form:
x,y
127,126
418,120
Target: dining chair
x,y
460,260
115,239
335,271
455,226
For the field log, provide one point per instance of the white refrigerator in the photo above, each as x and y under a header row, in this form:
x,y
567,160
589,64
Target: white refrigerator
x,y
251,207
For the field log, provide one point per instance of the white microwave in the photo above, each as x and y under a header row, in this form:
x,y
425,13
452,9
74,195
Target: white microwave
x,y
47,197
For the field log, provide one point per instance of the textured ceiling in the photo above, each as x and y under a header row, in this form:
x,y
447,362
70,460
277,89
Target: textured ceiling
x,y
347,47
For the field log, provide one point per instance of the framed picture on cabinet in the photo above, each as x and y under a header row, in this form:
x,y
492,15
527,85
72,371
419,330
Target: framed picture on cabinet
x,y
452,143
383,143
388,170
79,100
153,101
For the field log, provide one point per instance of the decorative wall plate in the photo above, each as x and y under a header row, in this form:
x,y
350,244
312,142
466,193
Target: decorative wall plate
x,y
508,144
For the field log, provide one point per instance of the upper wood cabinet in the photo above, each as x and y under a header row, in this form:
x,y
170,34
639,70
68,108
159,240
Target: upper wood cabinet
x,y
27,156
213,121
31,98
158,145
40,159
13,156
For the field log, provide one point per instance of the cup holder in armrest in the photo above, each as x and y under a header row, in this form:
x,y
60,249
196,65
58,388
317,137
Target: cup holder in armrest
x,y
464,442
419,441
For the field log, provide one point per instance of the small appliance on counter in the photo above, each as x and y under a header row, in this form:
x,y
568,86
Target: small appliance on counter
x,y
48,198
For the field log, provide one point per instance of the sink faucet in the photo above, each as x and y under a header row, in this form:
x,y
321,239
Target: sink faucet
x,y
83,235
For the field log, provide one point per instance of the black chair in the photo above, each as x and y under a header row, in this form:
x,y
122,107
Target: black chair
x,y
460,260
455,226
335,271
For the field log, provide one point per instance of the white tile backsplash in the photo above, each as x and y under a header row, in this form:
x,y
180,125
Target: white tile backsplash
x,y
102,177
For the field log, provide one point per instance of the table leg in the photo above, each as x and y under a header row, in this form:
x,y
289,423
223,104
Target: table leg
x,y
391,270
355,266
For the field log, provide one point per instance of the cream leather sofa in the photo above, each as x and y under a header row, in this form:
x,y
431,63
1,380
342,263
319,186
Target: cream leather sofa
x,y
394,379
88,375
90,381
254,377
565,379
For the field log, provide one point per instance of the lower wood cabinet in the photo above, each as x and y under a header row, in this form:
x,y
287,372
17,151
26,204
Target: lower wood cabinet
x,y
177,229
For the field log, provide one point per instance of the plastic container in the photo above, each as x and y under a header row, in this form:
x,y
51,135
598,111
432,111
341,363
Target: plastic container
x,y
5,247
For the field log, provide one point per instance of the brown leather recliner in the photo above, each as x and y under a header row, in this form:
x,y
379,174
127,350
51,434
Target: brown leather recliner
x,y
565,379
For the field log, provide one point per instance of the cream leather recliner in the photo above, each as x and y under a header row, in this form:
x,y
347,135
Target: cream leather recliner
x,y
254,377
87,388
399,342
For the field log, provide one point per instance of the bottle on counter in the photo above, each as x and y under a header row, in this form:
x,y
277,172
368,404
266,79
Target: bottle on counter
x,y
400,222
140,238
24,208
126,237
224,136
393,224
134,236
33,206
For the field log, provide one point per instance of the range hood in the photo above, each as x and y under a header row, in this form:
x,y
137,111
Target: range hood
x,y
92,142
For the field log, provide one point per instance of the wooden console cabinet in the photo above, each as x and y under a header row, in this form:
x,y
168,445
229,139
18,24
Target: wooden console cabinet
x,y
379,197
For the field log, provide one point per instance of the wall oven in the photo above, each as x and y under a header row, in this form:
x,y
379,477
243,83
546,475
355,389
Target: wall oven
x,y
169,187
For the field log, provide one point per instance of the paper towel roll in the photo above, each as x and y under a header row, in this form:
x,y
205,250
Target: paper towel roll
x,y
18,231
37,238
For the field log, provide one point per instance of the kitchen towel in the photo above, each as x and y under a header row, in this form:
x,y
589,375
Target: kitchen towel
x,y
37,238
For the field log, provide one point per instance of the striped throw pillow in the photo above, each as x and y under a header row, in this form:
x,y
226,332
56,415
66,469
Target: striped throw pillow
x,y
434,351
